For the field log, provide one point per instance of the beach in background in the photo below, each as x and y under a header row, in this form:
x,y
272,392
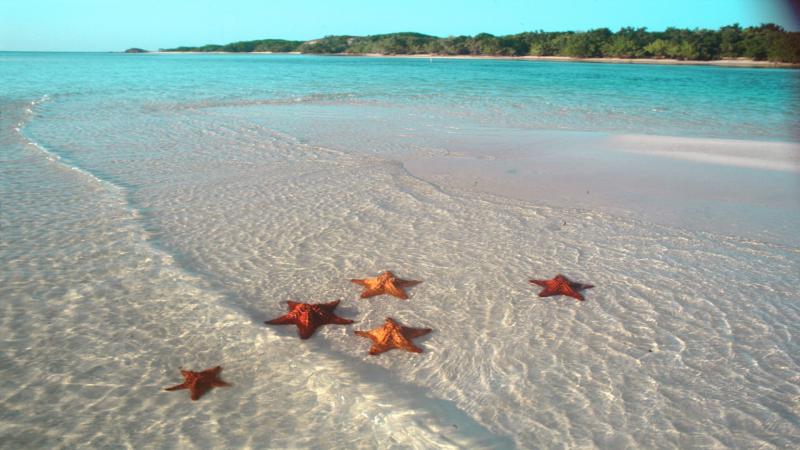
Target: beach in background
x,y
726,62
156,209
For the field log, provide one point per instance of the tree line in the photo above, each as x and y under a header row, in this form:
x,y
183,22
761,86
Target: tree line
x,y
767,42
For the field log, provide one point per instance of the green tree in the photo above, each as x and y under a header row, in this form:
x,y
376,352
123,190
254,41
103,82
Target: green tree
x,y
685,50
516,45
543,48
730,38
621,46
785,47
588,44
757,41
456,45
659,49
484,44
706,44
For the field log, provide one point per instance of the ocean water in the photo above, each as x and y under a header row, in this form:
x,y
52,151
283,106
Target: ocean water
x,y
156,209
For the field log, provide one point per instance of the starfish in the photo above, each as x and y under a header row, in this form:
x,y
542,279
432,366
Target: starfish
x,y
385,283
199,383
393,335
561,285
309,316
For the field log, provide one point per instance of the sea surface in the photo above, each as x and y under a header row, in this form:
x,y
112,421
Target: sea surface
x,y
156,209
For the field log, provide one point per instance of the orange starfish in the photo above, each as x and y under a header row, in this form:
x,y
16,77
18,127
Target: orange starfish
x,y
561,285
309,316
385,283
199,383
393,335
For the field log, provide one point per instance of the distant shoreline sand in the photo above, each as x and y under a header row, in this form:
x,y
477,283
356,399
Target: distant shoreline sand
x,y
739,62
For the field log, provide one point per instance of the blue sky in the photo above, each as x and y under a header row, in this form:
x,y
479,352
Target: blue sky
x,y
110,25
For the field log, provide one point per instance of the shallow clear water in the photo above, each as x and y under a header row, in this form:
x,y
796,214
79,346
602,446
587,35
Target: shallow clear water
x,y
156,209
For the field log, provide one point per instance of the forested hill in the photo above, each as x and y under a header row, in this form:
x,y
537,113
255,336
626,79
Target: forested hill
x,y
263,45
768,42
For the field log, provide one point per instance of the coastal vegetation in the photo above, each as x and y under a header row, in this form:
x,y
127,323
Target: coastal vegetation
x,y
767,42
262,45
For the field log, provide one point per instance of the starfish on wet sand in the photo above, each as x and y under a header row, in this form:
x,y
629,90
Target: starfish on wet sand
x,y
199,383
385,283
393,335
309,316
561,285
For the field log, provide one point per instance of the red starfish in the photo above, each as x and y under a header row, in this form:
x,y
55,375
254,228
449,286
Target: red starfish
x,y
199,383
393,335
561,285
385,283
308,317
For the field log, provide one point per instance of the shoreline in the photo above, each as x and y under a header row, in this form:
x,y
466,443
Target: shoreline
x,y
740,62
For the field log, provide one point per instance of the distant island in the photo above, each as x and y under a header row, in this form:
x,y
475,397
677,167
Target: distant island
x,y
136,50
768,42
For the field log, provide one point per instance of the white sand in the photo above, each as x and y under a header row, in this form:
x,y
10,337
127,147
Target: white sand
x,y
699,184
781,156
686,341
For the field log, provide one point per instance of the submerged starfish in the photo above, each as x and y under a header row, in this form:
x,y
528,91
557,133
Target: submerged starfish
x,y
561,285
199,383
385,283
393,335
309,316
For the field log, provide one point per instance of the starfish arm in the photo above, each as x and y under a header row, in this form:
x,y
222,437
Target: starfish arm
x,y
406,283
377,349
371,292
576,295
412,348
391,289
361,282
177,387
286,319
305,331
292,305
219,383
340,320
330,306
538,282
547,292
412,333
367,334
197,393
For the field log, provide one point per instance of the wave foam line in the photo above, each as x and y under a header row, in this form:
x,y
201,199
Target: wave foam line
x,y
30,114
318,98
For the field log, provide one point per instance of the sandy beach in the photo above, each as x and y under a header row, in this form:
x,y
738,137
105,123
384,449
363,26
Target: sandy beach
x,y
739,62
157,211
675,62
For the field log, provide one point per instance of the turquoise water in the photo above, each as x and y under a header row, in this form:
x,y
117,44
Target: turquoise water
x,y
666,100
155,210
